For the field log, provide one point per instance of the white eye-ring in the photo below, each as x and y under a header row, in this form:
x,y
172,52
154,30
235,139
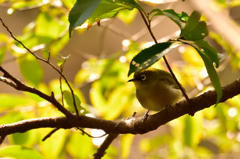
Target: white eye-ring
x,y
143,77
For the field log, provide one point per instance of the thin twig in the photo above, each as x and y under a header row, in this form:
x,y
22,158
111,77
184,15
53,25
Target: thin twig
x,y
101,150
84,132
107,142
18,85
2,139
45,61
50,133
165,59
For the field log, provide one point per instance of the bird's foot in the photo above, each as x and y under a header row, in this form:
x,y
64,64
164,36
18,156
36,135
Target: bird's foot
x,y
145,117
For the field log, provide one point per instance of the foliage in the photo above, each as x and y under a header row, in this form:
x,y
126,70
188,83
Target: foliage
x,y
110,96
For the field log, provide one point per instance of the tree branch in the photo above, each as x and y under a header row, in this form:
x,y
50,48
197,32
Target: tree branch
x,y
15,83
131,125
45,61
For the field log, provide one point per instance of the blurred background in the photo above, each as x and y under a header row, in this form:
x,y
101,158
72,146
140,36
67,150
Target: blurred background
x,y
97,65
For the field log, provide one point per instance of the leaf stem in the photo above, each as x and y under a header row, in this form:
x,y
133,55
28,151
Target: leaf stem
x,y
165,59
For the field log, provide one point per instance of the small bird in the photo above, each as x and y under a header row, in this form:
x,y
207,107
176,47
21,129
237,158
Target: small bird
x,y
156,89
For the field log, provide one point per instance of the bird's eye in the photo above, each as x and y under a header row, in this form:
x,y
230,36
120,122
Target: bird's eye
x,y
143,77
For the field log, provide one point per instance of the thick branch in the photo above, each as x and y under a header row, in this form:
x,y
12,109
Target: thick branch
x,y
131,125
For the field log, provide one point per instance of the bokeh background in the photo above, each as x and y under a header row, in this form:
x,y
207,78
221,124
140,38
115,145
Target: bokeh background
x,y
97,69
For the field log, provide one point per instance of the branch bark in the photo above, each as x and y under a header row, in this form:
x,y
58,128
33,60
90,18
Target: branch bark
x,y
131,125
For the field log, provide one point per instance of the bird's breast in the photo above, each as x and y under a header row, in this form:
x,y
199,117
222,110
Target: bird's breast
x,y
158,97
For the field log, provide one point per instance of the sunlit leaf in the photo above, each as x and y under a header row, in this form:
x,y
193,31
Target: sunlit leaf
x,y
110,8
20,152
25,4
31,69
80,12
97,98
194,28
149,56
11,118
126,144
61,60
73,145
46,26
127,16
53,146
57,46
117,101
69,100
2,53
171,14
6,101
95,10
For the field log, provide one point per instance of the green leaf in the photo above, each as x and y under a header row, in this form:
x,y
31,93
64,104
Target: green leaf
x,y
31,69
72,145
61,60
188,135
126,144
80,12
20,138
110,8
46,26
69,100
97,99
20,152
117,101
194,28
25,4
58,45
53,147
211,52
3,50
212,74
149,56
127,16
170,13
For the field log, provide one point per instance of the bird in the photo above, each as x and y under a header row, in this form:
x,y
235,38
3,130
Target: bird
x,y
156,89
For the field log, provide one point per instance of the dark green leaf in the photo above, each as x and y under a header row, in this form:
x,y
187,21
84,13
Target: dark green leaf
x,y
194,29
69,100
80,12
31,69
170,13
20,152
205,47
212,74
149,56
20,138
110,8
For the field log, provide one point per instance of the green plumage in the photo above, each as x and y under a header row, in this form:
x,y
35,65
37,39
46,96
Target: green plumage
x,y
156,89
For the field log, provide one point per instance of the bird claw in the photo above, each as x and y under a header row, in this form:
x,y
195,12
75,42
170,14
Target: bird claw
x,y
145,117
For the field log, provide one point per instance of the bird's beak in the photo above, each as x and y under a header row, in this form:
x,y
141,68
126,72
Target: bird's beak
x,y
132,80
